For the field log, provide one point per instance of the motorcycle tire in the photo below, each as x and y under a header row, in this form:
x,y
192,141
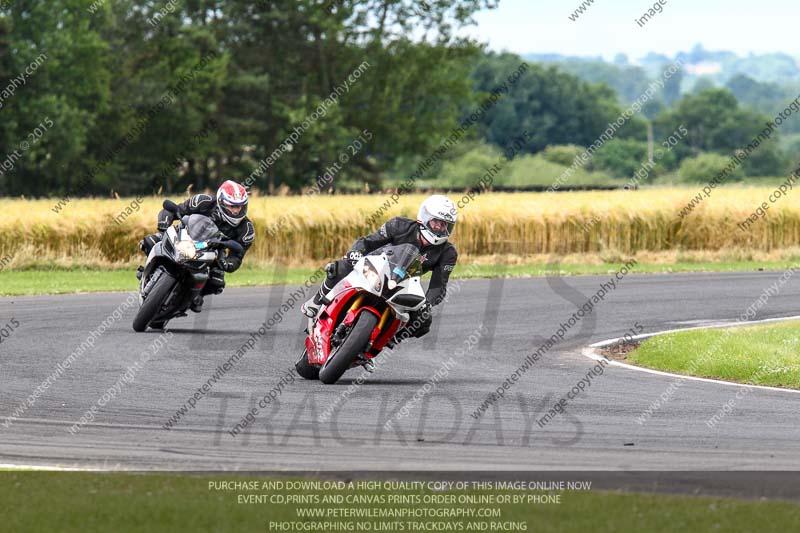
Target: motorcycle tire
x,y
305,369
154,301
347,352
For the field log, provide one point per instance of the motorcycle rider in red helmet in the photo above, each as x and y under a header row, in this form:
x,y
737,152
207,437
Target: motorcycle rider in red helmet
x,y
229,212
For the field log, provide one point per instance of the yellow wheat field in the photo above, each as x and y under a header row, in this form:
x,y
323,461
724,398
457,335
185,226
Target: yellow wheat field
x,y
315,229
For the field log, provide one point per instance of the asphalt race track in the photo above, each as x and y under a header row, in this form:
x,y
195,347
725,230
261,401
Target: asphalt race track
x,y
598,431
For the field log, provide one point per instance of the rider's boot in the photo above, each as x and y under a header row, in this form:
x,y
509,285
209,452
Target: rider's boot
x,y
310,307
146,244
397,338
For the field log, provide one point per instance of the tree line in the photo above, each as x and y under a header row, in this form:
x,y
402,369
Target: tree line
x,y
165,96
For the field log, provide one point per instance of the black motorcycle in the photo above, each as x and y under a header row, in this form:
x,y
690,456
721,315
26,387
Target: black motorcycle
x,y
177,268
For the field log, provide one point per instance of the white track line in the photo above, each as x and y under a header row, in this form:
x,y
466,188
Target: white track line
x,y
49,468
592,353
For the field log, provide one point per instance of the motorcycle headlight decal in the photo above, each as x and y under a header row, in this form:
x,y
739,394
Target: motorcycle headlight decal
x,y
186,250
372,276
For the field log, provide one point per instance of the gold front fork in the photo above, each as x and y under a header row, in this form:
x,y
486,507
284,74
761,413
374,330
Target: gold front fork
x,y
357,302
384,318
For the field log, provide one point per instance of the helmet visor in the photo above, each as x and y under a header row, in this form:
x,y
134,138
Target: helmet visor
x,y
234,210
439,227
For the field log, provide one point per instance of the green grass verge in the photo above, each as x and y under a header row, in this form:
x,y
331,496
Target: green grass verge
x,y
89,502
28,282
758,355
64,281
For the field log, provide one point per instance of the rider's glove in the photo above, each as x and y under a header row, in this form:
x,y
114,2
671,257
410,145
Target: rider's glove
x,y
354,256
332,269
164,223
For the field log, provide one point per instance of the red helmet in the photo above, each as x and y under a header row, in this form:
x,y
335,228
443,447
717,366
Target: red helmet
x,y
231,196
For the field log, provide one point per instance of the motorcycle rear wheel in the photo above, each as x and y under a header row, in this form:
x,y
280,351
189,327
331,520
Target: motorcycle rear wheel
x,y
305,369
347,352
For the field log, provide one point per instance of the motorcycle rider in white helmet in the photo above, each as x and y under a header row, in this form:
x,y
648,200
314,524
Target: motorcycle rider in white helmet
x,y
435,222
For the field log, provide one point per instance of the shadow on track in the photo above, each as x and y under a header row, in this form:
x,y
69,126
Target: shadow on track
x,y
410,381
209,331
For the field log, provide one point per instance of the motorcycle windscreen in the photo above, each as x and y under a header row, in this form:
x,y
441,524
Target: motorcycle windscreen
x,y
201,228
403,260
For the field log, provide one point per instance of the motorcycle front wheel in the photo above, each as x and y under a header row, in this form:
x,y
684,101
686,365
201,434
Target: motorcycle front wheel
x,y
154,301
347,352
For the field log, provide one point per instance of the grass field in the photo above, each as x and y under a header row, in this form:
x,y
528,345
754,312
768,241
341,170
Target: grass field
x,y
758,355
88,502
304,230
72,280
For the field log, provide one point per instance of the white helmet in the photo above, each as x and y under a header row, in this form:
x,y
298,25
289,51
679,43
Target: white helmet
x,y
437,214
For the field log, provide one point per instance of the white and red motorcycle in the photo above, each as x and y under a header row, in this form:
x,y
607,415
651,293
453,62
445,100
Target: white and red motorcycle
x,y
366,309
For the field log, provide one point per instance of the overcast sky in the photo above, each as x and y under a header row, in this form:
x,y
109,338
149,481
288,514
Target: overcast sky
x,y
608,27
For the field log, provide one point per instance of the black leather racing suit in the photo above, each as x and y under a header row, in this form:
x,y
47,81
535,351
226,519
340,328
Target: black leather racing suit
x,y
440,260
204,204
